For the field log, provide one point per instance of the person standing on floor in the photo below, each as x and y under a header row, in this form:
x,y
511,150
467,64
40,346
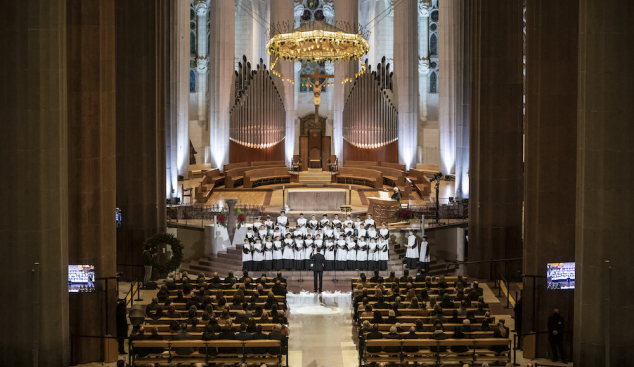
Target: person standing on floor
x,y
147,260
309,246
384,255
362,254
258,255
268,254
247,257
425,257
299,252
329,248
411,255
352,253
319,263
556,335
342,254
277,253
288,256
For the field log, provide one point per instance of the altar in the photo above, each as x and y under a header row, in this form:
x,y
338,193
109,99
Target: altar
x,y
326,199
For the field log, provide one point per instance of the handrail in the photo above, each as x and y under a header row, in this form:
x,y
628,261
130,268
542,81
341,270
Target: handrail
x,y
135,287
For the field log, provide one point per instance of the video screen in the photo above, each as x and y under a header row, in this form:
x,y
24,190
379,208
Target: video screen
x,y
81,278
560,275
117,217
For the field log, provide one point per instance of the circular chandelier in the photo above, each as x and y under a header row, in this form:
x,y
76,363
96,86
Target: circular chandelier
x,y
318,41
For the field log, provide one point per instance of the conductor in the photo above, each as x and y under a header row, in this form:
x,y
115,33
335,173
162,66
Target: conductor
x,y
318,269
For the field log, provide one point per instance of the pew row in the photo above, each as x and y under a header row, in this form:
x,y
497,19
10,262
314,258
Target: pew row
x,y
359,176
266,176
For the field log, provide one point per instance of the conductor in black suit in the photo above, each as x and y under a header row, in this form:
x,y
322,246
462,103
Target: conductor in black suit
x,y
319,262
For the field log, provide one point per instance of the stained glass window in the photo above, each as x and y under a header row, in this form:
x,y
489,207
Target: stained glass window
x,y
433,45
433,83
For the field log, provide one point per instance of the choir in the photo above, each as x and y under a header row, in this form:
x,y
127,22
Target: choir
x,y
345,245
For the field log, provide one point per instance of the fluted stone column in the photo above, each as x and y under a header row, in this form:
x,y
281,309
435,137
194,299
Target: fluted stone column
x,y
202,56
605,177
346,11
454,103
142,74
91,169
495,174
423,56
282,12
177,133
550,159
406,79
221,67
34,180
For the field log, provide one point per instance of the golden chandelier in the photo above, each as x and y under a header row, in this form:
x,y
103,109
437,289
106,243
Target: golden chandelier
x,y
318,41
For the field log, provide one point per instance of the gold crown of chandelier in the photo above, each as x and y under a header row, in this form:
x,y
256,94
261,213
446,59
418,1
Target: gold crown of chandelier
x,y
318,41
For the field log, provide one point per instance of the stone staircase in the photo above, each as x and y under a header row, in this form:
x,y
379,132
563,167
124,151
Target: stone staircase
x,y
314,176
232,261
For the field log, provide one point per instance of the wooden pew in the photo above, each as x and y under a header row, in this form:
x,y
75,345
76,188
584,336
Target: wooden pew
x,y
266,176
421,182
197,170
429,169
359,176
231,166
211,180
234,177
393,165
359,163
267,163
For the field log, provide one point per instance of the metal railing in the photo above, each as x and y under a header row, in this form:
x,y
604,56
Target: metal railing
x,y
135,287
199,215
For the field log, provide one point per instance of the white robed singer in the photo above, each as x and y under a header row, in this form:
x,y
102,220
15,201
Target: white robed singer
x,y
412,251
425,258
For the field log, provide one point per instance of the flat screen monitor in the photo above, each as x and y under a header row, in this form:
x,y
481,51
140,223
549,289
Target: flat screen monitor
x,y
81,278
560,275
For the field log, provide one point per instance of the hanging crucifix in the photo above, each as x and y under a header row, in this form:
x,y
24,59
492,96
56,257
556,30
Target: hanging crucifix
x,y
317,88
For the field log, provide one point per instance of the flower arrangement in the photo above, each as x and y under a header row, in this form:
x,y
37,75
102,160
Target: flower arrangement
x,y
222,218
241,218
404,215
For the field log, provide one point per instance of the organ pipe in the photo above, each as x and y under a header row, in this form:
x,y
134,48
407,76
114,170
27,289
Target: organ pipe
x,y
370,117
258,116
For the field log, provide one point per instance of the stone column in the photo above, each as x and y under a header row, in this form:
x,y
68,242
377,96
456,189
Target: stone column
x,y
495,175
423,56
142,72
177,134
406,75
346,11
202,56
221,67
34,180
550,159
605,177
91,169
282,12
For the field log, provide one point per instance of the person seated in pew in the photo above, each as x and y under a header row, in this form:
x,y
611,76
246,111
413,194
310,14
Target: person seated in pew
x,y
391,318
241,318
471,316
244,335
183,335
381,304
458,334
171,312
419,326
376,277
410,292
251,326
245,276
152,307
367,312
259,335
461,281
395,307
446,302
208,334
155,337
174,327
462,310
358,290
365,329
438,315
191,316
276,334
278,289
411,335
227,334
225,318
403,279
373,335
377,318
501,332
481,301
438,334
459,295
442,282
466,326
230,280
454,319
392,335
215,281
485,326
477,288
270,301
265,318
163,294
480,310
140,335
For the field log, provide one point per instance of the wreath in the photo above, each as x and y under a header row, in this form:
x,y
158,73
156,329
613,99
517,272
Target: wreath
x,y
151,244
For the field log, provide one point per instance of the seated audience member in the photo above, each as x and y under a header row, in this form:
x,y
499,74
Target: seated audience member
x,y
395,307
500,331
403,279
419,326
280,277
367,312
278,289
276,334
230,280
155,336
485,326
462,310
454,318
227,334
473,294
208,334
438,334
225,318
174,326
241,318
183,335
391,319
381,304
245,276
140,335
460,280
358,290
163,294
378,318
374,334
466,326
411,335
376,277
458,334
170,284
391,277
172,313
259,335
244,335
215,281
365,328
392,335
446,302
179,297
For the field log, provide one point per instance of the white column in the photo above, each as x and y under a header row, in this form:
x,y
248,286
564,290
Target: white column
x,y
423,53
282,11
177,136
406,75
345,11
454,135
221,66
202,56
